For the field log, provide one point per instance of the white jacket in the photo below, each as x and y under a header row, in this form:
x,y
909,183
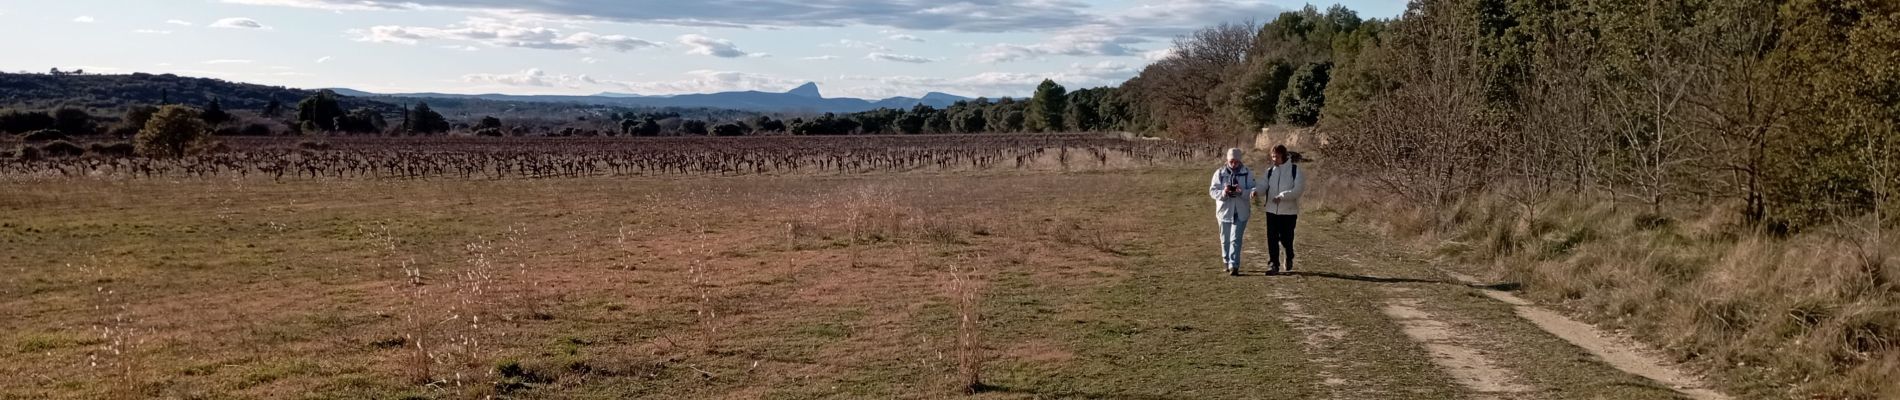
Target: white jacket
x,y
1285,182
1231,209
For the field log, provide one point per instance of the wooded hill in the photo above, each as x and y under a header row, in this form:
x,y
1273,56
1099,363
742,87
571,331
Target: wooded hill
x,y
112,94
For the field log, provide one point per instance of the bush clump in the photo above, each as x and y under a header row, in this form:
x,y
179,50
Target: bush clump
x,y
115,149
62,149
44,135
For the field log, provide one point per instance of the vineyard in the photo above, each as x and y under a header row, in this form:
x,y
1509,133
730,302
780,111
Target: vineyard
x,y
500,158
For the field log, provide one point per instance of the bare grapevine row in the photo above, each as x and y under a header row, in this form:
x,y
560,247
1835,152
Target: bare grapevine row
x,y
497,158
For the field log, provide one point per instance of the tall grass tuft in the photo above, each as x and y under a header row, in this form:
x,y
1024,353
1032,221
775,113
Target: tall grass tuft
x,y
966,293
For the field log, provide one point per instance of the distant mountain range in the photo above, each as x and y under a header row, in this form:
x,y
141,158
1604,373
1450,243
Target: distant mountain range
x,y
110,95
804,98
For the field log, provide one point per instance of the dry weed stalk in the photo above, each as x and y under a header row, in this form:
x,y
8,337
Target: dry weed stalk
x,y
120,336
445,329
701,284
965,291
866,209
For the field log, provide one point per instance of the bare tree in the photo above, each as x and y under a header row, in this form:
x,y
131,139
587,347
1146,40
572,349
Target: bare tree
x,y
1185,86
1425,140
1648,77
1741,101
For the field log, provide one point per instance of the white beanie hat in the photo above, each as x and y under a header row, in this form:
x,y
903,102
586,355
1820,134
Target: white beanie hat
x,y
1233,153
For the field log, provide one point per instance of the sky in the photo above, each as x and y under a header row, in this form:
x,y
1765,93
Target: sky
x,y
851,48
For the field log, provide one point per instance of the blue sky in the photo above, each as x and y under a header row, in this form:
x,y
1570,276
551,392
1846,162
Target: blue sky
x,y
851,48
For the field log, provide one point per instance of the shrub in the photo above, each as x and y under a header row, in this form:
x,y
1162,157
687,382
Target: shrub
x,y
211,147
44,135
16,121
74,121
256,129
313,145
116,149
172,131
29,153
728,130
62,149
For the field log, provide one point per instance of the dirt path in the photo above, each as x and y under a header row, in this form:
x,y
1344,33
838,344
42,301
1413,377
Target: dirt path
x,y
1623,353
1452,350
1375,321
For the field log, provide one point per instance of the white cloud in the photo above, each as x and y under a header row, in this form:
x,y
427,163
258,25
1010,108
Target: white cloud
x,y
238,23
323,59
95,68
608,42
498,33
1158,54
821,58
332,5
856,44
390,34
152,32
1168,19
461,47
898,58
589,60
84,19
529,77
1092,41
709,46
907,38
1103,71
535,77
1154,20
177,22
709,81
228,61
990,84
915,15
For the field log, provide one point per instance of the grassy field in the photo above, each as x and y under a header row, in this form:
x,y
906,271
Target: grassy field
x,y
1086,285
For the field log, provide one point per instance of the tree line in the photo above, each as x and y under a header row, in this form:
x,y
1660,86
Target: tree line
x,y
1051,109
1786,107
115,105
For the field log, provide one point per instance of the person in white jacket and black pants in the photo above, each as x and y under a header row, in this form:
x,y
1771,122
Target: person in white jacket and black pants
x,y
1282,185
1232,188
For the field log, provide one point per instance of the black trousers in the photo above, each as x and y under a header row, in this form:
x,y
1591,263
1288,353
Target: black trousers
x,y
1280,234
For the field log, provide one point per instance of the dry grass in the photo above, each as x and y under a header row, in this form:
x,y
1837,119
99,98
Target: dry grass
x,y
1817,314
810,287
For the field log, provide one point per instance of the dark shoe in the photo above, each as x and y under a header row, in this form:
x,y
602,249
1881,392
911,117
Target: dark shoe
x,y
1289,264
1233,272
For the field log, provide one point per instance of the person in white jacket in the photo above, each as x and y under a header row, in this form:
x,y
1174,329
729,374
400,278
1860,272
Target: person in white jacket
x,y
1282,185
1232,188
